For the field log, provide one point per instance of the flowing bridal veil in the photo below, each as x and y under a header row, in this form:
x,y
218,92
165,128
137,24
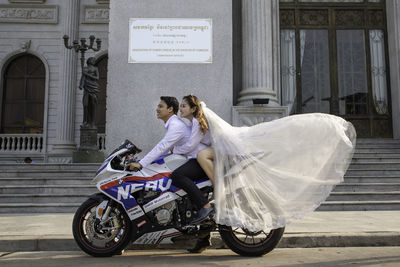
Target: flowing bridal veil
x,y
273,172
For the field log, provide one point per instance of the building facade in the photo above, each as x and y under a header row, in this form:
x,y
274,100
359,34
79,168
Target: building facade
x,y
335,56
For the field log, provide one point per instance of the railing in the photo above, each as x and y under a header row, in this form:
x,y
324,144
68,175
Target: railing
x,y
101,141
33,143
21,143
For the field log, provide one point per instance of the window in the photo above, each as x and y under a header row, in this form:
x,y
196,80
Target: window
x,y
23,95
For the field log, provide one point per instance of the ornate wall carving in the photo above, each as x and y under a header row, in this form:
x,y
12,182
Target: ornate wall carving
x,y
29,14
314,17
96,14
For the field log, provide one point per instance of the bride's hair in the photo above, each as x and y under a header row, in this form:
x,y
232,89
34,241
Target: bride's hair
x,y
194,102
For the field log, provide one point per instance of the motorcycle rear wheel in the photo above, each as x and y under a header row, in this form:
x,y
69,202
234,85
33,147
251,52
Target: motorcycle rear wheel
x,y
250,244
96,241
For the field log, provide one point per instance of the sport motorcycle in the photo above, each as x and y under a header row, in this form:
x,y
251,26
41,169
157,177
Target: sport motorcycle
x,y
143,207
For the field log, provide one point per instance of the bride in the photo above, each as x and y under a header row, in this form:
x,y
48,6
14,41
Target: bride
x,y
274,172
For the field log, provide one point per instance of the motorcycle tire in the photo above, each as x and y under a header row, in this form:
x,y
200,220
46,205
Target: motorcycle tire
x,y
253,245
83,228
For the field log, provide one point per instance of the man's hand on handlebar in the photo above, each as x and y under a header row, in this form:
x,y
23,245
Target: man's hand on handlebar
x,y
134,166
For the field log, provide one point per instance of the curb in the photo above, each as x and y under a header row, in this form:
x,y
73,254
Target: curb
x,y
291,240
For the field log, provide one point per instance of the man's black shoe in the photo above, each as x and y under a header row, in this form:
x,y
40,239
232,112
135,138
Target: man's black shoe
x,y
201,245
203,214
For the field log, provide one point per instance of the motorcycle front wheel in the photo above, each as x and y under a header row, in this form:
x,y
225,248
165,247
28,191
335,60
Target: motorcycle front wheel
x,y
250,244
101,240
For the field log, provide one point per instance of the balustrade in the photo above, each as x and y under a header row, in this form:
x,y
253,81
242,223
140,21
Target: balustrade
x,y
33,143
21,143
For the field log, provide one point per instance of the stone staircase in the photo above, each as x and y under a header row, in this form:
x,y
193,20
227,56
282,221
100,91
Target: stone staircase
x,y
371,183
45,188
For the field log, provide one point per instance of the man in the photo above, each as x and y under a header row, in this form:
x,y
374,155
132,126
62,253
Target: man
x,y
176,135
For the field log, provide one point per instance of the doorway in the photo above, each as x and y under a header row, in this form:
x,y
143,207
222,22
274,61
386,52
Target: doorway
x,y
334,60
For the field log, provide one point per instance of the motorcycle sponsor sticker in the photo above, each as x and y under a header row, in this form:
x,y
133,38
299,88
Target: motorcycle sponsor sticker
x,y
135,212
161,200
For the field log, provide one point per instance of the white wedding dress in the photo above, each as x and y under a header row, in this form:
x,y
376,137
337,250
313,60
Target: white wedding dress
x,y
274,172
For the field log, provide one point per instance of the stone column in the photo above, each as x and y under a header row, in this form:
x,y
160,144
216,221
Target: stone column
x,y
261,67
260,51
393,28
65,144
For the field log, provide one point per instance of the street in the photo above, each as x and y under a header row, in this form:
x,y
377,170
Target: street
x,y
351,256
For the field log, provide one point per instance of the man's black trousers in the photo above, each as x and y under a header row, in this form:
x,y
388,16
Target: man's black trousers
x,y
183,178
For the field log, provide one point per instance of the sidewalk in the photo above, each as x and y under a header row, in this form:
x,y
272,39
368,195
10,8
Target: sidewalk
x,y
44,232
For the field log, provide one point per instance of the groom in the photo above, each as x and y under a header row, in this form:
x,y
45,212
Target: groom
x,y
176,136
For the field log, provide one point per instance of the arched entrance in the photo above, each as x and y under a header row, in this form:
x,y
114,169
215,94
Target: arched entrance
x,y
23,96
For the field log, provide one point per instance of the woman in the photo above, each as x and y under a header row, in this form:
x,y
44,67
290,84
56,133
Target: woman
x,y
183,176
198,144
199,141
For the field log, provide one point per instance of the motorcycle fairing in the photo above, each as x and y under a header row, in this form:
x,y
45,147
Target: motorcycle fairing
x,y
121,190
108,160
158,237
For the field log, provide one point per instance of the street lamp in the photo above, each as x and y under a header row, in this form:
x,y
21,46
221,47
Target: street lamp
x,y
83,47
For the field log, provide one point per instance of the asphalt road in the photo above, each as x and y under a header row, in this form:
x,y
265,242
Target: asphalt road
x,y
352,256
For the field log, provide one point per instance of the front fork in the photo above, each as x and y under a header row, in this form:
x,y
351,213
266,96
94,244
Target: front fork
x,y
103,211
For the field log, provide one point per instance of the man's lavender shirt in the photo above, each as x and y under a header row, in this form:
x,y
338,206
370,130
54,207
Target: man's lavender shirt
x,y
177,135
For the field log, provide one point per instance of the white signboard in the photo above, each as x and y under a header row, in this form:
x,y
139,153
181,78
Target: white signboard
x,y
170,40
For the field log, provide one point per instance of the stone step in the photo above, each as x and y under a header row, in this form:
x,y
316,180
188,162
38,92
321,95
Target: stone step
x,y
39,207
50,166
364,196
371,179
377,150
367,187
48,189
46,181
377,140
375,165
375,160
43,198
378,145
47,173
359,205
372,172
376,155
